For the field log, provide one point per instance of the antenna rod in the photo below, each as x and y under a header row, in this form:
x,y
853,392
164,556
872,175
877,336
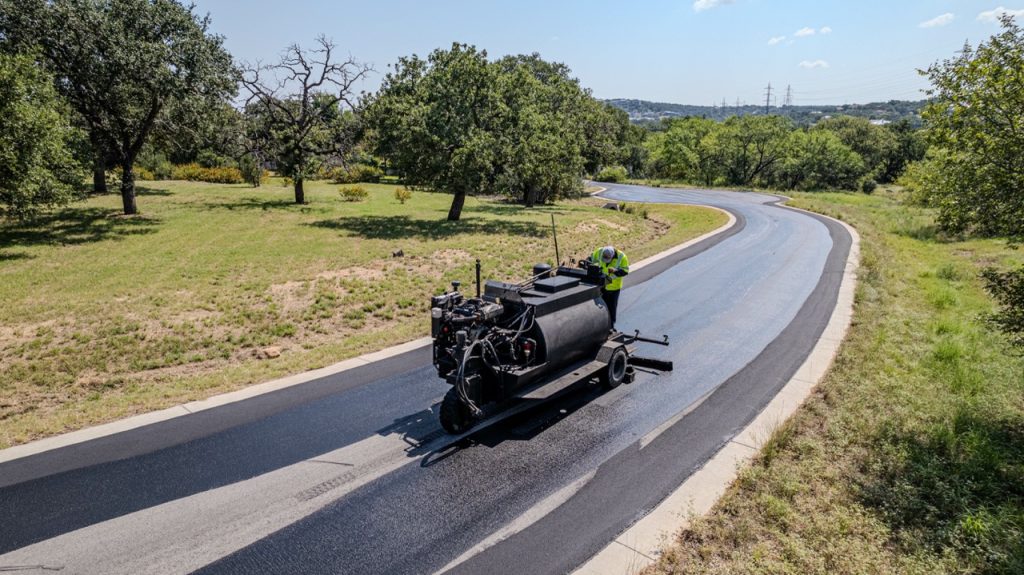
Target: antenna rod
x,y
558,258
477,279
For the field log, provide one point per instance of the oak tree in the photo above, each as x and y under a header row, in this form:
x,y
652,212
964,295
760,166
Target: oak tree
x,y
304,107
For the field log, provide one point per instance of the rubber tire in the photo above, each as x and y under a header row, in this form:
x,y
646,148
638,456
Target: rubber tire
x,y
455,417
614,374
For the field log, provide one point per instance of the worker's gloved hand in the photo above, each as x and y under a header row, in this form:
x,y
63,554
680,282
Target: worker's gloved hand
x,y
620,272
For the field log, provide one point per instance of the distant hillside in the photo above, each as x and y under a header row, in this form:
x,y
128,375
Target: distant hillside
x,y
642,111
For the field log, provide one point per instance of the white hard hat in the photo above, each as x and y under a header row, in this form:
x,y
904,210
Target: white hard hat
x,y
607,253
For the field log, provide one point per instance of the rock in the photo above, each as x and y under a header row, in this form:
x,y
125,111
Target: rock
x,y
269,352
611,206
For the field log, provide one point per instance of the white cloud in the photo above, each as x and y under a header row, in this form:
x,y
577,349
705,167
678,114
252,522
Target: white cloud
x,y
825,30
702,5
937,21
993,15
815,64
804,32
775,40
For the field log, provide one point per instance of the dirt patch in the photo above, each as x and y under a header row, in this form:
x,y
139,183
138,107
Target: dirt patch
x,y
451,257
292,296
194,315
611,225
585,228
357,272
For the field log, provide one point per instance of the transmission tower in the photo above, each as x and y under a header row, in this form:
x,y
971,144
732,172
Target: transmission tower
x,y
789,97
767,98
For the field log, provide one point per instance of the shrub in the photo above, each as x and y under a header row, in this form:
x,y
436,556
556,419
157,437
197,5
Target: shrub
x,y
252,172
612,174
868,186
354,174
633,209
402,194
211,159
196,173
152,165
353,193
1008,289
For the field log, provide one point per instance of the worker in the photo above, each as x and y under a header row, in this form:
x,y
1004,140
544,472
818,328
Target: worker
x,y
614,265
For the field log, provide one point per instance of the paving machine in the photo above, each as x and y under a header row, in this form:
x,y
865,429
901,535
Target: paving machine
x,y
529,340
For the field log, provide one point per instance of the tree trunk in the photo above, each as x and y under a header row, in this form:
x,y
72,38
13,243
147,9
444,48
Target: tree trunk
x,y
531,196
300,194
99,174
456,210
128,189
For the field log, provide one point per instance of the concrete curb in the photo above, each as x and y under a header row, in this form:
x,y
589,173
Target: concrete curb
x,y
641,544
127,424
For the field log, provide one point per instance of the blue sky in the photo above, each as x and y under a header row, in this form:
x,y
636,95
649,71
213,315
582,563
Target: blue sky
x,y
682,51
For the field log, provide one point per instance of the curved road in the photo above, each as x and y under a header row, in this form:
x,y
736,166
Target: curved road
x,y
351,473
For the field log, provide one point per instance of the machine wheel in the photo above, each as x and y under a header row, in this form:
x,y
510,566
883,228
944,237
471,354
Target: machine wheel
x,y
614,373
455,417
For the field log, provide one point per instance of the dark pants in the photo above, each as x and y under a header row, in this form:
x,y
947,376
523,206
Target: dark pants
x,y
611,299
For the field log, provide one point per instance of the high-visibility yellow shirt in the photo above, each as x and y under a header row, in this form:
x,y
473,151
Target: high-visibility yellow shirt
x,y
619,262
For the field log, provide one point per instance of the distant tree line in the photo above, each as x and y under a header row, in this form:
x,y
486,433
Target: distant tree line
x,y
843,152
650,114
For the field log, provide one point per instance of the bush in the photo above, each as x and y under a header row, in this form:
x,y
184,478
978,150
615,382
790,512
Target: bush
x,y
402,194
252,172
152,165
197,173
353,193
355,174
211,159
612,174
1008,289
868,186
640,210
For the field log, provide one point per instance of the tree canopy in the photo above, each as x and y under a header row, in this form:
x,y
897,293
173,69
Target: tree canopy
x,y
122,63
302,108
976,122
36,166
519,126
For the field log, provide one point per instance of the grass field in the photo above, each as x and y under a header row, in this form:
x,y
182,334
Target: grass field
x,y
909,457
215,287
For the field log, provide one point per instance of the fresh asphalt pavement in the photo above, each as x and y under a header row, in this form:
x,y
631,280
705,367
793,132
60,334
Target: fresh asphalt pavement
x,y
352,474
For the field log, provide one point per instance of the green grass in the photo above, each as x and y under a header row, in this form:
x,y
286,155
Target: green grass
x,y
909,457
106,316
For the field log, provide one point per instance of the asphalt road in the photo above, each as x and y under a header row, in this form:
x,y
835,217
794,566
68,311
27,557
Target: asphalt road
x,y
352,474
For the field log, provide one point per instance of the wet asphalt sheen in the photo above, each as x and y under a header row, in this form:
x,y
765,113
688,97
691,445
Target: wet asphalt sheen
x,y
742,311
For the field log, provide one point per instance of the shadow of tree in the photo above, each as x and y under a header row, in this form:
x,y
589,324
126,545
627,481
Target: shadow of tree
x,y
252,203
11,256
511,209
404,227
958,487
927,233
72,226
152,191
